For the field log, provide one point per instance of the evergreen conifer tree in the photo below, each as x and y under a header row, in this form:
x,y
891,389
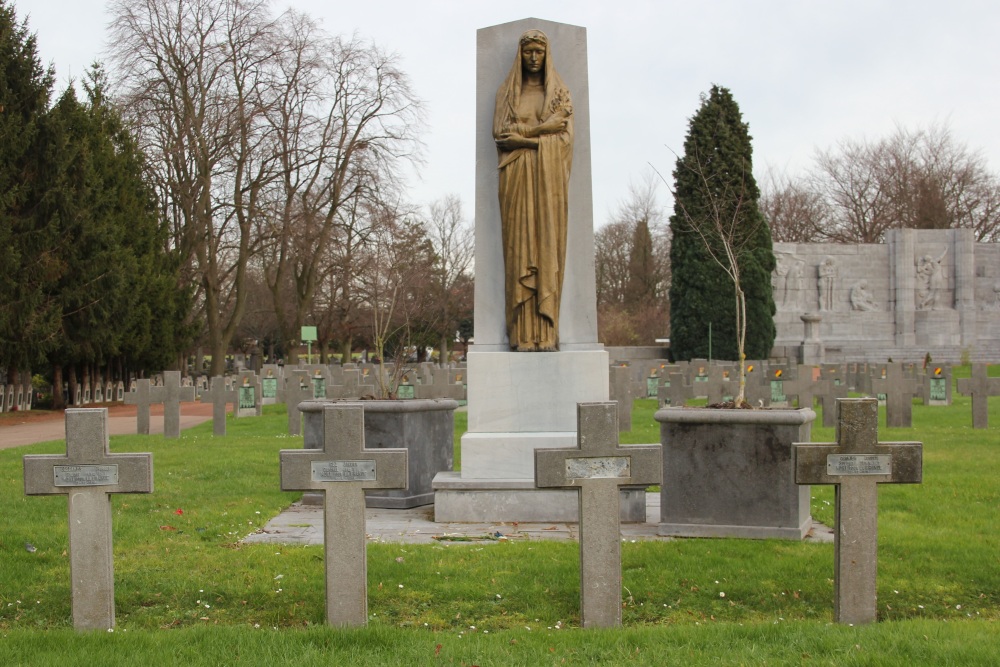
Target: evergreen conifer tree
x,y
716,226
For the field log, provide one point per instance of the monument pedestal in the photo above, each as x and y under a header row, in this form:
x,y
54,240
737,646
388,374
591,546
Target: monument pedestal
x,y
518,402
938,328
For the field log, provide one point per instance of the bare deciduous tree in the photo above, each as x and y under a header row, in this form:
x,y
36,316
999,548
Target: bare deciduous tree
x,y
922,179
453,241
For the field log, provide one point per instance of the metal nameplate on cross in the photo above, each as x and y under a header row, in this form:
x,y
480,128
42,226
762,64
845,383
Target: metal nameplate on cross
x,y
857,463
87,474
598,468
342,470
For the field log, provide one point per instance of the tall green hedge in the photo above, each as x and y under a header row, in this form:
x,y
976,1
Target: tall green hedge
x,y
714,180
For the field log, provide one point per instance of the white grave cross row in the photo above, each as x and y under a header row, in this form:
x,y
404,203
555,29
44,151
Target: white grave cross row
x,y
87,474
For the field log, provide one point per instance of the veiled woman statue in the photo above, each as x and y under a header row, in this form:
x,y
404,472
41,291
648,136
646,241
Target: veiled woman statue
x,y
533,129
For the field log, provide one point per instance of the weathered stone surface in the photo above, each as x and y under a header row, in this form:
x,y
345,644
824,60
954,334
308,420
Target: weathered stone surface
x,y
729,473
221,397
857,463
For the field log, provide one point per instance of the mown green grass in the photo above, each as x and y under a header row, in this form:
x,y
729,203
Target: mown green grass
x,y
187,591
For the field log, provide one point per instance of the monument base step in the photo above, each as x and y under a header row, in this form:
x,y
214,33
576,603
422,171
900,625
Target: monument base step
x,y
747,532
465,500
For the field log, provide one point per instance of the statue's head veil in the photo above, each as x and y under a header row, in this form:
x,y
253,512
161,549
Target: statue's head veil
x,y
510,91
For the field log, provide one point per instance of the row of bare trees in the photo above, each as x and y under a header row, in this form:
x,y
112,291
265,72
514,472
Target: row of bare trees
x,y
855,192
276,150
632,264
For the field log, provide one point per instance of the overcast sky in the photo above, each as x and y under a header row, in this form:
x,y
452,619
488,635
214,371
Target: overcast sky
x,y
806,74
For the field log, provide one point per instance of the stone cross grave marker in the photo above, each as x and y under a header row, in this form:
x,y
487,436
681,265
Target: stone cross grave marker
x,y
142,397
802,388
221,397
674,391
832,386
86,475
174,393
620,392
857,463
598,469
342,470
298,388
980,387
899,391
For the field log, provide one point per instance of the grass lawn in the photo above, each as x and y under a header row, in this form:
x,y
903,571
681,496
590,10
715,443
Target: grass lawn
x,y
187,591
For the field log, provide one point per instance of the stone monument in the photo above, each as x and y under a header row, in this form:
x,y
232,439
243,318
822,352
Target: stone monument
x,y
521,400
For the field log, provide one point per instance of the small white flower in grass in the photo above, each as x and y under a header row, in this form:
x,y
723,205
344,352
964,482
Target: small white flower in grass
x,y
111,629
958,606
208,606
280,576
499,597
401,585
921,606
722,594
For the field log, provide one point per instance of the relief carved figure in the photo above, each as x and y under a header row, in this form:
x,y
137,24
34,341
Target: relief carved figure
x,y
826,283
533,129
930,280
862,299
787,281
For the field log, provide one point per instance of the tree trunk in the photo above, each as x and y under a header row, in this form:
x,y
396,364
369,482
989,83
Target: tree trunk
x,y
72,384
57,388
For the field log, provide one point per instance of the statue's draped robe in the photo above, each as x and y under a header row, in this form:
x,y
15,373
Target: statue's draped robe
x,y
534,201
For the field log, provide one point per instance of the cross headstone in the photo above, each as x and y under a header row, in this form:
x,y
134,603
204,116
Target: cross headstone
x,y
342,470
899,391
142,397
802,387
220,397
174,393
674,391
833,384
980,387
620,391
598,468
87,474
857,463
297,389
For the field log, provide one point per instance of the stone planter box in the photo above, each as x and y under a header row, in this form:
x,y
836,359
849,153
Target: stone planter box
x,y
731,473
424,427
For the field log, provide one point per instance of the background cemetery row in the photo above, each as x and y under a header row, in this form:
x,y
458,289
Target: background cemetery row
x,y
770,384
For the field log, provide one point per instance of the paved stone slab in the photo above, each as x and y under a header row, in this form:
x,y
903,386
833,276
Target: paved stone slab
x,y
857,463
87,474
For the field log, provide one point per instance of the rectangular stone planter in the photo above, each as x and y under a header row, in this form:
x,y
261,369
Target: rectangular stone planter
x,y
730,473
423,427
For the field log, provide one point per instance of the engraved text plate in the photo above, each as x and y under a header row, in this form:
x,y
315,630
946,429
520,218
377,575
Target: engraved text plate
x,y
85,475
598,467
859,464
343,471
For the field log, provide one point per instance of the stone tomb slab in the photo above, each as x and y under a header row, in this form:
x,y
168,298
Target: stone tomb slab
x,y
856,464
342,469
598,468
87,474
